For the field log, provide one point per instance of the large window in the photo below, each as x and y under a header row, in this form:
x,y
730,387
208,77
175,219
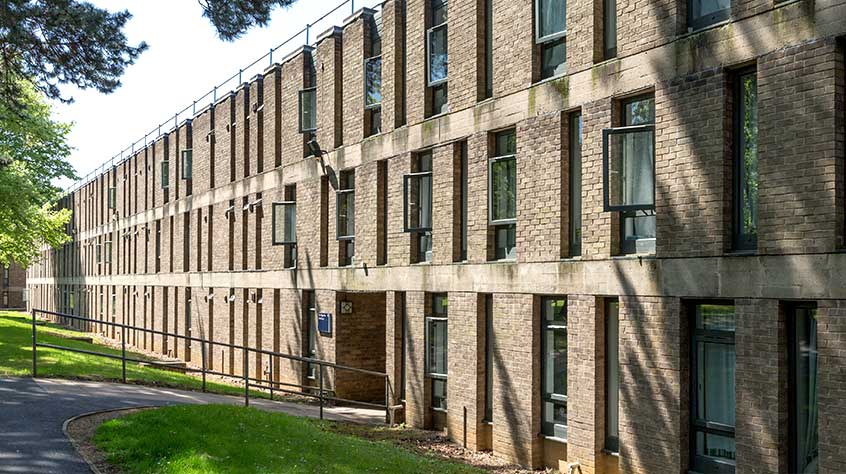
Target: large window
x,y
629,174
502,194
437,57
417,214
575,184
551,36
373,78
612,375
554,372
187,163
345,218
437,349
745,156
703,13
308,110
804,386
713,394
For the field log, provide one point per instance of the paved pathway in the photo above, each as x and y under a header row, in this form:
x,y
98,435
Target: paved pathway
x,y
32,412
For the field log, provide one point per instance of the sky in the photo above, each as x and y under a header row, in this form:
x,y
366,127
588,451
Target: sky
x,y
185,60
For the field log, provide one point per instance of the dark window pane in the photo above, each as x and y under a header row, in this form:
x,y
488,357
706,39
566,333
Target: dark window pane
x,y
555,419
805,407
715,446
503,189
308,106
715,317
610,28
552,17
440,306
746,163
708,12
439,12
439,99
555,310
439,394
553,58
505,143
639,111
716,395
373,82
506,242
612,376
555,362
437,347
575,184
438,59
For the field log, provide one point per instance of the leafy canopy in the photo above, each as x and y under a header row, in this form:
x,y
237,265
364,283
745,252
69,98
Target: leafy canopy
x,y
232,18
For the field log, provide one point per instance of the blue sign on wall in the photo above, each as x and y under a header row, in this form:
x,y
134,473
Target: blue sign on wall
x,y
324,323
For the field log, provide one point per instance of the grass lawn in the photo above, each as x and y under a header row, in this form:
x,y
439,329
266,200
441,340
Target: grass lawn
x,y
232,439
16,359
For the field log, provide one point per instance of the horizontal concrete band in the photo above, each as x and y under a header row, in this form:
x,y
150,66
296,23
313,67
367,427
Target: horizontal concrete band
x,y
819,276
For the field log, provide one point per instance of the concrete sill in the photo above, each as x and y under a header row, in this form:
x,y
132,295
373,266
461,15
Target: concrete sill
x,y
554,439
615,454
440,410
437,116
741,253
709,27
550,79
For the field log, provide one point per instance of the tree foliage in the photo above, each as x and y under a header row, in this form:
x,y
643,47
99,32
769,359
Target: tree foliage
x,y
33,152
232,18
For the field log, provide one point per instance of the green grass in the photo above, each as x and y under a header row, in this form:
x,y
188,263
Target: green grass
x,y
16,359
231,439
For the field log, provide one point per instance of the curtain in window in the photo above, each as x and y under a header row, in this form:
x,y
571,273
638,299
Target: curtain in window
x,y
552,17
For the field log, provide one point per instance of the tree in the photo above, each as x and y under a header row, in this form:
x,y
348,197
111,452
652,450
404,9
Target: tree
x,y
232,18
33,152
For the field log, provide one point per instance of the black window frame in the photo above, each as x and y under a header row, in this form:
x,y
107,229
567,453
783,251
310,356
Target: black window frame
x,y
606,134
310,332
275,207
504,226
612,443
575,137
300,94
740,241
165,174
609,18
344,191
439,86
111,197
793,381
489,356
549,428
702,464
548,42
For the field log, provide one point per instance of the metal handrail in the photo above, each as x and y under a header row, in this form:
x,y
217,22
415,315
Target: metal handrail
x,y
156,132
248,381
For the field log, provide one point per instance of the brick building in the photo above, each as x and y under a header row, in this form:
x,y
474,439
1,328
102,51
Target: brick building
x,y
12,286
609,234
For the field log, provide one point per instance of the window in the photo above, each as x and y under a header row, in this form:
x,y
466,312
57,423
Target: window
x,y
436,349
437,58
703,13
107,251
417,214
345,218
373,78
187,161
5,277
575,184
502,194
804,386
284,215
629,174
713,393
609,29
308,110
612,375
112,198
463,214
554,361
165,174
489,334
745,166
310,333
551,36
488,90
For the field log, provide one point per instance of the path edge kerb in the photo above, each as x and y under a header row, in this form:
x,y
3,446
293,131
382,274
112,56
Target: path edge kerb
x,y
74,442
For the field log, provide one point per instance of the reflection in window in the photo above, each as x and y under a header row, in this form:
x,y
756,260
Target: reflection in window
x,y
418,206
745,162
612,376
551,36
713,374
437,57
708,12
437,349
345,222
804,406
575,202
373,77
308,110
554,372
502,194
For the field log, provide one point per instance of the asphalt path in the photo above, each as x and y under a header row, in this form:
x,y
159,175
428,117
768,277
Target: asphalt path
x,y
32,412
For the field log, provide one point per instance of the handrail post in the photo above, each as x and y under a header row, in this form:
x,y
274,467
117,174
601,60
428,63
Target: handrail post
x,y
203,360
123,351
34,344
321,391
246,378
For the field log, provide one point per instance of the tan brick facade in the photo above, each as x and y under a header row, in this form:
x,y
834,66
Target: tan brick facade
x,y
207,242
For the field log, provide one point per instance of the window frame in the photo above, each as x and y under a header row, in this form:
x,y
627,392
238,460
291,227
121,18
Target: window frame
x,y
552,36
574,226
793,380
429,31
703,22
165,174
375,104
740,241
606,134
107,251
187,171
549,428
491,161
430,318
111,198
698,463
406,178
282,205
612,443
300,94
344,194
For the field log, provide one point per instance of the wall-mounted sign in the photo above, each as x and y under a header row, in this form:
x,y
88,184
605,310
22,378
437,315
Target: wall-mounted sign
x,y
346,307
324,323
